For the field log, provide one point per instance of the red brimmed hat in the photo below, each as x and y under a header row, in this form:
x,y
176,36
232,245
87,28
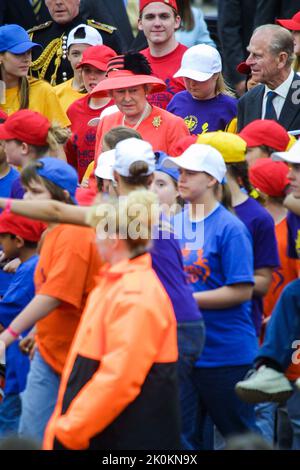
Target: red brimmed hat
x,y
29,229
265,132
97,56
293,23
119,76
243,68
170,3
269,177
26,126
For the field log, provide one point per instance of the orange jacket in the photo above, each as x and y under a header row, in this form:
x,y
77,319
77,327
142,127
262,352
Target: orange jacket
x,y
119,385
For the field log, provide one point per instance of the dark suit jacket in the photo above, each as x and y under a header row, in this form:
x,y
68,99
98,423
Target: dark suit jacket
x,y
235,25
115,12
268,10
21,12
250,106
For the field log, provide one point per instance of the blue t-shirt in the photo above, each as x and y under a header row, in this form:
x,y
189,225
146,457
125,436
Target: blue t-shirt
x,y
293,223
17,190
221,256
20,292
262,228
203,115
168,265
6,183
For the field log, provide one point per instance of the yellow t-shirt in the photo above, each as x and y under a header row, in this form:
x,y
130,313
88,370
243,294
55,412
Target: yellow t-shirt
x,y
66,94
42,98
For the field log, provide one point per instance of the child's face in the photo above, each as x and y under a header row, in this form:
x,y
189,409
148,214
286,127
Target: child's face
x,y
9,246
253,154
91,77
202,90
164,186
14,152
294,177
36,191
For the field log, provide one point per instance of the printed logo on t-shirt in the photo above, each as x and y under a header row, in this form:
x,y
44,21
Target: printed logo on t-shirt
x,y
191,122
195,266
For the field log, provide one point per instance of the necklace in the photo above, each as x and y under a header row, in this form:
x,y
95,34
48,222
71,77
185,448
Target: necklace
x,y
143,116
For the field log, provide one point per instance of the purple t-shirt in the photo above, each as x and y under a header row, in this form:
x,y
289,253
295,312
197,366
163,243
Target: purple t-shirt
x,y
293,222
167,262
261,226
203,115
17,190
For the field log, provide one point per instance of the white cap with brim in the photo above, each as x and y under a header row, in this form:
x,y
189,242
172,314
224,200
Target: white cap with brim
x,y
92,36
291,156
133,150
200,63
105,165
106,112
200,158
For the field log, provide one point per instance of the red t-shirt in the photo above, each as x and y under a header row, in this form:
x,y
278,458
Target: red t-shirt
x,y
80,148
165,67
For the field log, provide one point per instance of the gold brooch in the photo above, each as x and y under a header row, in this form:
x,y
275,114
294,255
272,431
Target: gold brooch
x,y
157,121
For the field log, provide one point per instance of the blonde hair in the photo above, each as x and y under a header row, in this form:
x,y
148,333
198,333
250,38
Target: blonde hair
x,y
56,137
222,87
131,218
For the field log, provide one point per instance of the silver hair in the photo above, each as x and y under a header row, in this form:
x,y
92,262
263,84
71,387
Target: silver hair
x,y
280,40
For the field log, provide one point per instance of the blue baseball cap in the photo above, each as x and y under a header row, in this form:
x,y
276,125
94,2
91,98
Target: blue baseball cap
x,y
14,39
159,166
60,173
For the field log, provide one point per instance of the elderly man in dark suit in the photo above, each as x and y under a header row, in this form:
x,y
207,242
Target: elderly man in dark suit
x,y
278,94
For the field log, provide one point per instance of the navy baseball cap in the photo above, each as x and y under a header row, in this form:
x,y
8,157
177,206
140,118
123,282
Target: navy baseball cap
x,y
159,166
14,39
60,173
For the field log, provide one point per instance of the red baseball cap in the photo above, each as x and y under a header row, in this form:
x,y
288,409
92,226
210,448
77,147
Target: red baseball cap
x,y
293,23
183,144
29,229
97,56
170,3
27,126
265,132
269,177
243,68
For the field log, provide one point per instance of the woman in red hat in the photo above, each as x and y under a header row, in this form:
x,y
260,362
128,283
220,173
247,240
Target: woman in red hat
x,y
128,82
18,91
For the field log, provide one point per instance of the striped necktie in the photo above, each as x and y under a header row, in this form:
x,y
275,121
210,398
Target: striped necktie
x,y
36,5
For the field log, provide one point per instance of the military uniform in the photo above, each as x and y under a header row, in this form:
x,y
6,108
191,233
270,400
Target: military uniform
x,y
52,64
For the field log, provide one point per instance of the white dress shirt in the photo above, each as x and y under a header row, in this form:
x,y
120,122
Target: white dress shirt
x,y
281,91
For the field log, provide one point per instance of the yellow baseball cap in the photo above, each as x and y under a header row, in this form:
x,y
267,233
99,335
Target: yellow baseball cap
x,y
231,146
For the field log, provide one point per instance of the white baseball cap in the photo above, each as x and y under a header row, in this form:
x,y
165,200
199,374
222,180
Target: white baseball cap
x,y
92,36
133,150
199,63
291,156
200,157
105,165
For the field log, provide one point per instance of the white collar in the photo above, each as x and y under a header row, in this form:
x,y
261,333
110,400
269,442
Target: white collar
x,y
283,89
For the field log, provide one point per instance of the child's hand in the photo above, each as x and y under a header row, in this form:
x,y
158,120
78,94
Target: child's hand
x,y
28,345
12,266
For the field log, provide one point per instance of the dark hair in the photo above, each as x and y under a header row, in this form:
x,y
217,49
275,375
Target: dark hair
x,y
138,176
239,171
186,14
29,174
119,133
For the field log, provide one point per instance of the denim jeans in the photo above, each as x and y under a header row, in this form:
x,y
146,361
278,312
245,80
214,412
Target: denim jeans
x,y
10,412
284,327
38,399
211,392
190,338
288,423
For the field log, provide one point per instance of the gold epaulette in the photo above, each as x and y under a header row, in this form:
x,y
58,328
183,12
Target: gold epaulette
x,y
103,27
39,27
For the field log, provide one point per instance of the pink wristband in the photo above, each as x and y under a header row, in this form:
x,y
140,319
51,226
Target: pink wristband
x,y
7,207
12,332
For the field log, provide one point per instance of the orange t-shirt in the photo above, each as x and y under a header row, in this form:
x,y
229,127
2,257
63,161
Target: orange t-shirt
x,y
66,270
161,128
287,272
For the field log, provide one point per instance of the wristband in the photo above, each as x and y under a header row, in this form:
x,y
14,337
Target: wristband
x,y
12,332
7,207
